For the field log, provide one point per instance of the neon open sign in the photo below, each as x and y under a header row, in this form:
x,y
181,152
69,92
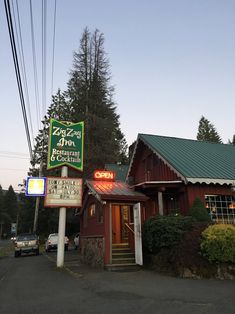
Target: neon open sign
x,y
104,175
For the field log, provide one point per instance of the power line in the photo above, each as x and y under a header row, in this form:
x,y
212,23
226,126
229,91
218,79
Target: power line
x,y
17,71
53,50
12,153
44,24
34,66
17,157
22,62
10,169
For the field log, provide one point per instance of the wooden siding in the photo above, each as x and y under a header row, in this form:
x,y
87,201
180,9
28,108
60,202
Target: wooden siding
x,y
151,168
90,225
196,190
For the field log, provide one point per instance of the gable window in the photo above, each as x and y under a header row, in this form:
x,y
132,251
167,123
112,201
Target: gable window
x,y
221,208
148,165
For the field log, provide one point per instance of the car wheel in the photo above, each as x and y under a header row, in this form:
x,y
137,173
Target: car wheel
x,y
66,248
16,254
37,252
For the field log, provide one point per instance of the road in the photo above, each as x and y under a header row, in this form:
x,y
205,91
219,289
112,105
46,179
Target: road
x,y
33,284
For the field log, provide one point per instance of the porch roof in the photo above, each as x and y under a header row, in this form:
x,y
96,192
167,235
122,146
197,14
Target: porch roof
x,y
114,190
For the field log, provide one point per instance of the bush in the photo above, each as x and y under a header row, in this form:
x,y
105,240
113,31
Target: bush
x,y
164,232
198,211
218,243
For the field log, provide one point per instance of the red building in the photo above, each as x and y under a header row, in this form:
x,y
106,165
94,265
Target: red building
x,y
165,176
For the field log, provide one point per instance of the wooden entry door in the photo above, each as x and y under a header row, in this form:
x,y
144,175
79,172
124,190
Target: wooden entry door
x,y
120,217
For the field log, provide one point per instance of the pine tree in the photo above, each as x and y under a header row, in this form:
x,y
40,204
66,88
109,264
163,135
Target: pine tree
x,y
233,140
207,132
89,98
92,101
10,206
61,110
4,218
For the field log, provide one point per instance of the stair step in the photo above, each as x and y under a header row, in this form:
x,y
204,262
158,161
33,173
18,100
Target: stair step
x,y
123,255
118,251
123,267
123,261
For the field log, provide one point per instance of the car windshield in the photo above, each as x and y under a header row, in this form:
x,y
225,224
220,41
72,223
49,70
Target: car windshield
x,y
53,236
26,237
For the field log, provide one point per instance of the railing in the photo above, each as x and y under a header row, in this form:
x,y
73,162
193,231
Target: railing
x,y
129,228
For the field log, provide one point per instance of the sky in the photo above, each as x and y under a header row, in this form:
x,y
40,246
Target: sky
x,y
171,62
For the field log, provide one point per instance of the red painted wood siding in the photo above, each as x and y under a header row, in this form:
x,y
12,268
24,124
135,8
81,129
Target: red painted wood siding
x,y
90,225
197,190
150,168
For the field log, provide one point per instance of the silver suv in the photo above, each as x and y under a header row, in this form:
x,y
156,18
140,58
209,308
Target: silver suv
x,y
26,243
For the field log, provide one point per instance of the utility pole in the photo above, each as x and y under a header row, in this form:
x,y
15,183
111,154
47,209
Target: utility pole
x,y
35,223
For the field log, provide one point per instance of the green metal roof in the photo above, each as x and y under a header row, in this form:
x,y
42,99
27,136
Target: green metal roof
x,y
195,161
120,170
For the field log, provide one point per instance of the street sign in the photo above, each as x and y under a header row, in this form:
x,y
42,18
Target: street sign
x,y
65,144
63,192
13,228
35,186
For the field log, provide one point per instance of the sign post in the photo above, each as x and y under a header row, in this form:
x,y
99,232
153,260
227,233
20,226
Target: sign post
x,y
61,229
65,148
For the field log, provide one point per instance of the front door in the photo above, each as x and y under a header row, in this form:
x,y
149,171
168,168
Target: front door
x,y
120,218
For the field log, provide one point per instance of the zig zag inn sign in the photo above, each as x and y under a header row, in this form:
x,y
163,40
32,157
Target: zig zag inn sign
x,y
66,141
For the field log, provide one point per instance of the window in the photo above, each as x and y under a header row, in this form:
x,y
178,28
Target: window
x,y
221,208
91,210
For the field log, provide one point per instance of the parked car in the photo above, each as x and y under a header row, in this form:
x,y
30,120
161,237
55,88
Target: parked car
x,y
52,242
76,241
13,238
26,243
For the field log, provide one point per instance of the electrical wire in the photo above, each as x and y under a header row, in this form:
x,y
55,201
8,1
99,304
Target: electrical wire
x,y
44,18
36,91
17,71
22,63
53,50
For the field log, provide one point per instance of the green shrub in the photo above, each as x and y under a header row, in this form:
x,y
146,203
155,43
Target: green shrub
x,y
198,211
218,243
164,232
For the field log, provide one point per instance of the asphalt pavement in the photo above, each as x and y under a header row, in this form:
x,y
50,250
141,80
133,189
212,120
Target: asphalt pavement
x,y
34,285
159,293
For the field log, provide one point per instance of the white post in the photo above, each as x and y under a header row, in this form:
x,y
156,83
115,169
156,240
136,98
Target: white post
x,y
61,229
160,203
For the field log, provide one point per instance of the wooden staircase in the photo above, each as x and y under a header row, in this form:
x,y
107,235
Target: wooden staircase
x,y
123,259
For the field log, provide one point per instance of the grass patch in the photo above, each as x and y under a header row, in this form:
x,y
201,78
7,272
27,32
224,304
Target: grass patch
x,y
7,250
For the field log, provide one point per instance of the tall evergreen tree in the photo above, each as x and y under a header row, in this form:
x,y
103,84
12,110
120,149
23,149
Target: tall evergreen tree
x,y
61,110
4,217
207,132
10,206
92,101
233,140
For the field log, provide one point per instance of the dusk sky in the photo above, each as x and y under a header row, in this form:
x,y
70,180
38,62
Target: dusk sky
x,y
171,62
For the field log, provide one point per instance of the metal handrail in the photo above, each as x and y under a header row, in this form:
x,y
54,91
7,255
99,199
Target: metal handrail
x,y
128,227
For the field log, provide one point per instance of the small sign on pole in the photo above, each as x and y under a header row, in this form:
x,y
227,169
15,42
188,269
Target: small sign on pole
x,y
63,192
35,186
